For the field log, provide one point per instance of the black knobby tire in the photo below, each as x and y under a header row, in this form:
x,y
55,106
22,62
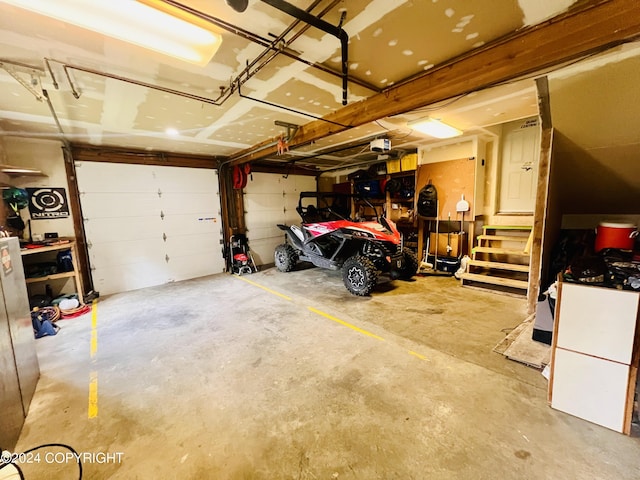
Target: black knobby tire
x,y
410,267
359,275
285,257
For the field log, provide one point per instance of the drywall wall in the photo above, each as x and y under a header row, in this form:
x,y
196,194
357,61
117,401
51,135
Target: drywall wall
x,y
46,156
451,150
597,140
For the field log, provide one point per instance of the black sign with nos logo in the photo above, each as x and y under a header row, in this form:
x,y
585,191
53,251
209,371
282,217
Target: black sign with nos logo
x,y
48,203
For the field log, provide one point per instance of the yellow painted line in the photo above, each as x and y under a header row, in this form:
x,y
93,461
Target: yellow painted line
x,y
94,314
263,288
346,324
421,357
94,328
94,343
325,315
92,411
93,395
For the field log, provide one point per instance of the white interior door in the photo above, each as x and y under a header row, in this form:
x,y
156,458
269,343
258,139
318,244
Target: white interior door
x,y
148,225
271,199
519,172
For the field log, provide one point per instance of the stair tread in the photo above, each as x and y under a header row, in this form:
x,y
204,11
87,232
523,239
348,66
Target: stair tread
x,y
504,251
507,227
504,238
506,282
515,267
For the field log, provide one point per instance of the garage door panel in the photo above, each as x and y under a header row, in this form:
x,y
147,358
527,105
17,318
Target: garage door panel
x,y
263,249
182,245
265,183
113,178
122,205
191,266
304,183
125,252
202,224
174,179
265,232
195,203
112,279
101,230
106,205
269,200
264,202
263,219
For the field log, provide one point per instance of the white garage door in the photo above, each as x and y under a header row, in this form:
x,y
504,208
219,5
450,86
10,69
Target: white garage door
x,y
149,225
271,199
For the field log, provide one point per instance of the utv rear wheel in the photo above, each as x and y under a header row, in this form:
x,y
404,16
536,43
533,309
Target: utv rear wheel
x,y
285,257
410,267
359,275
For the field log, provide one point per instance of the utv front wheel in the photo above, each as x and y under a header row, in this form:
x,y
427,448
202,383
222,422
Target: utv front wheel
x,y
285,257
410,267
359,275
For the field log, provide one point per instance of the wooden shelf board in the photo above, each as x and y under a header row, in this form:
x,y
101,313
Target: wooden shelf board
x,y
48,248
53,276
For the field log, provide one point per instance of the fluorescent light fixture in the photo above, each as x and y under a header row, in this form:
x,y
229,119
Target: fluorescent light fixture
x,y
434,128
149,24
172,132
13,170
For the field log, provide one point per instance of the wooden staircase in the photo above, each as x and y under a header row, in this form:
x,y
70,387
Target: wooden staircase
x,y
500,260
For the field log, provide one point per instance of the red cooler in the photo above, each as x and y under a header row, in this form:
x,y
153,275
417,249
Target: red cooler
x,y
615,235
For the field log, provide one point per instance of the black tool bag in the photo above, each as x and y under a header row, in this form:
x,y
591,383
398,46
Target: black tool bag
x,y
428,201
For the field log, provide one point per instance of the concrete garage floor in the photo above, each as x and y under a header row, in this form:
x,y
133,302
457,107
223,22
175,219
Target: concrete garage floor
x,y
288,376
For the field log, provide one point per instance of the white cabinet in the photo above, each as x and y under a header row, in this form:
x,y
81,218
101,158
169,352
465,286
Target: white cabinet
x,y
595,354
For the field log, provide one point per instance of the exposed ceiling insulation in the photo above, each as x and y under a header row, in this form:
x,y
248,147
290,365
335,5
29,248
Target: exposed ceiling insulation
x,y
105,92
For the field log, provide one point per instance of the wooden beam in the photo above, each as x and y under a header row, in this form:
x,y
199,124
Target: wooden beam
x,y
580,32
89,153
544,104
284,169
539,217
78,224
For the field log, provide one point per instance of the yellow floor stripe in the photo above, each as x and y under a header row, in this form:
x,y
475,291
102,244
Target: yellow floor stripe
x,y
93,378
346,324
263,288
319,312
421,357
94,314
94,343
93,395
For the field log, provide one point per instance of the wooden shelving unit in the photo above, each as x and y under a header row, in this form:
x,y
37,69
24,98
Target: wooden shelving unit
x,y
31,253
403,216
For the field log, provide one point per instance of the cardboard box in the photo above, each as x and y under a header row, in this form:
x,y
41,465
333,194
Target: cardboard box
x,y
453,240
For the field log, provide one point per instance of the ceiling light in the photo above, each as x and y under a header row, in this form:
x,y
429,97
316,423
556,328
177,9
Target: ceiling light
x,y
172,132
434,128
150,24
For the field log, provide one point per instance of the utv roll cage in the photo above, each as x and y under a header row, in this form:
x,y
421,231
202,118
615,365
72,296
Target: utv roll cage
x,y
328,206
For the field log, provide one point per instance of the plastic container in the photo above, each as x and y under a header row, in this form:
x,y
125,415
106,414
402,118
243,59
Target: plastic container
x,y
615,235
